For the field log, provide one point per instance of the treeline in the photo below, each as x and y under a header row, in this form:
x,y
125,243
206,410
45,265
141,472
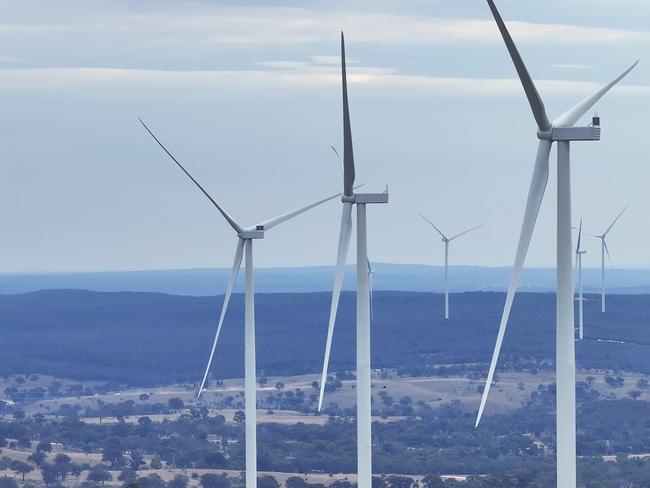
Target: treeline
x,y
147,339
437,441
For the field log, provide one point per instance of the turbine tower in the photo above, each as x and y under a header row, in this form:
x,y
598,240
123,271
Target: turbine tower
x,y
562,130
579,253
604,249
349,198
245,238
446,240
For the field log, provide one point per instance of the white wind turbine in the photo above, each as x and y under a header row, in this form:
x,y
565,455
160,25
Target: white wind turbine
x,y
562,131
604,249
245,237
363,387
446,240
579,253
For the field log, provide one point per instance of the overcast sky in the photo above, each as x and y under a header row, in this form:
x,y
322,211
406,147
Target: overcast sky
x,y
247,96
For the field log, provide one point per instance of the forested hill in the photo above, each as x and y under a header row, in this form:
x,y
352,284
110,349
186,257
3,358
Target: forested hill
x,y
146,338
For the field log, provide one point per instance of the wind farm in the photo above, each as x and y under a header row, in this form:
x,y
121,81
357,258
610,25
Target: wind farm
x,y
137,353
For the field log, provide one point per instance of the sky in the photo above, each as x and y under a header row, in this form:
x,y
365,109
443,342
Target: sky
x,y
247,95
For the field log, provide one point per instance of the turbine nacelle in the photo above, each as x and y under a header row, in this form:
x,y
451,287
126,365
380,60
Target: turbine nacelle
x,y
366,197
589,133
255,233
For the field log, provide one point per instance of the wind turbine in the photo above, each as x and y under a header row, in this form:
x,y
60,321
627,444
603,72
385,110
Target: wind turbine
x,y
562,130
579,253
350,198
245,238
446,240
604,249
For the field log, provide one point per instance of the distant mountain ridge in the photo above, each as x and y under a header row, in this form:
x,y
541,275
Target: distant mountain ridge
x,y
394,277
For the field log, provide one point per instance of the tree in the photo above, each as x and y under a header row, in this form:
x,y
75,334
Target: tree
x,y
37,457
239,416
342,484
50,473
62,458
433,481
295,482
143,397
100,474
127,475
75,470
151,481
137,458
634,394
44,446
399,481
210,480
21,468
6,482
267,481
215,460
175,403
279,386
179,481
112,452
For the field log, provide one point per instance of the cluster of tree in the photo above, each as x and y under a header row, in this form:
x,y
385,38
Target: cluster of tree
x,y
436,441
23,391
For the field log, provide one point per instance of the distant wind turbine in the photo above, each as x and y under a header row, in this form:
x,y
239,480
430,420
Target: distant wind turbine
x,y
350,198
604,249
446,240
562,131
245,237
579,253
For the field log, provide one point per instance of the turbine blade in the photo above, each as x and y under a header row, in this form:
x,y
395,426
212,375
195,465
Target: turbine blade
x,y
571,116
535,196
341,258
226,299
269,224
575,272
338,156
432,225
579,237
609,256
535,101
615,220
348,155
230,220
466,232
370,273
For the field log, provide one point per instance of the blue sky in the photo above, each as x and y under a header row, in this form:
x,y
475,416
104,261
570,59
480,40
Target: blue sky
x,y
247,95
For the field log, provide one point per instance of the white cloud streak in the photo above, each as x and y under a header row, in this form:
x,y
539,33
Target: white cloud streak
x,y
287,76
218,25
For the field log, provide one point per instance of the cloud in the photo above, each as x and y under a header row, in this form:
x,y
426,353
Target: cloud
x,y
218,25
284,76
574,66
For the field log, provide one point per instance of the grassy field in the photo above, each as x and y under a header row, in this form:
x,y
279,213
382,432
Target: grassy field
x,y
510,391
